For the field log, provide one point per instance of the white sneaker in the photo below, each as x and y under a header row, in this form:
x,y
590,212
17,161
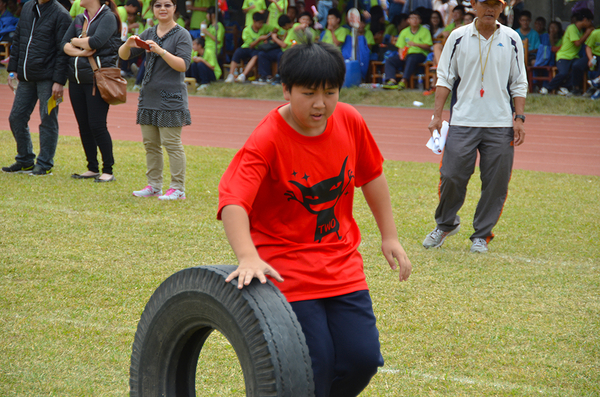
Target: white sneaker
x,y
564,92
173,194
230,78
134,69
479,246
202,87
241,78
148,191
136,88
544,91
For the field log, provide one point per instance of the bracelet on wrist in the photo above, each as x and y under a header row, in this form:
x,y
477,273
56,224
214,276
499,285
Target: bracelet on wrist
x,y
164,53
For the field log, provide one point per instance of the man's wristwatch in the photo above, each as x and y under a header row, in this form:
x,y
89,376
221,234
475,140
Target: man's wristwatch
x,y
520,116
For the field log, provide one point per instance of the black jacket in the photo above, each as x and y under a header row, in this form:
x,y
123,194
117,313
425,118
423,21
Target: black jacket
x,y
37,53
105,37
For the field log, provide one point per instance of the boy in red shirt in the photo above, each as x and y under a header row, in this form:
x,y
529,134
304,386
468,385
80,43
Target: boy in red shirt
x,y
286,206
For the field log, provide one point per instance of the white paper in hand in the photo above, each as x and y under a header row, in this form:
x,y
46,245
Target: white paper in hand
x,y
438,140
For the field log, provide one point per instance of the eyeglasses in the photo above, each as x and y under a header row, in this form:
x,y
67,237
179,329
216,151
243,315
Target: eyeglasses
x,y
166,5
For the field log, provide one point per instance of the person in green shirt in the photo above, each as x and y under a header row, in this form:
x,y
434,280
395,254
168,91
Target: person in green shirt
x,y
276,8
592,50
294,36
458,16
76,9
199,9
252,36
251,7
413,45
334,34
265,58
215,32
204,67
567,58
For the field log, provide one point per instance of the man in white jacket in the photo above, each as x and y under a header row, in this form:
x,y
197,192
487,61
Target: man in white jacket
x,y
482,65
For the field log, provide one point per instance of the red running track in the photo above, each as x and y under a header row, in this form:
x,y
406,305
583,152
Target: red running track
x,y
561,144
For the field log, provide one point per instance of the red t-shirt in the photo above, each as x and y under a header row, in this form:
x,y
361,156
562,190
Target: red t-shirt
x,y
298,192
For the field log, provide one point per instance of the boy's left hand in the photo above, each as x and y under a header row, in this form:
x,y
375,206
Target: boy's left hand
x,y
393,251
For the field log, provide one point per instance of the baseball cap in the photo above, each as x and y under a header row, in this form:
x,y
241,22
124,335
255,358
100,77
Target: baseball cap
x,y
501,1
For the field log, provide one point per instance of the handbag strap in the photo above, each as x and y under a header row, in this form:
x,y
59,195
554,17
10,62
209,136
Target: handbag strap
x,y
91,59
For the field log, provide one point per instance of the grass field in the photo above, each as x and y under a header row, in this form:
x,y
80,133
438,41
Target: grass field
x,y
79,260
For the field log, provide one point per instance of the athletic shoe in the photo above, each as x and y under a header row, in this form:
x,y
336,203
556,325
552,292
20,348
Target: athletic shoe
x,y
173,194
595,83
230,78
429,92
39,171
18,168
201,87
260,81
436,238
479,246
136,87
390,85
148,191
596,95
564,92
401,85
543,91
241,78
134,69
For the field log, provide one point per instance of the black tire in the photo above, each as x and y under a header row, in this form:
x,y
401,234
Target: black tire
x,y
257,321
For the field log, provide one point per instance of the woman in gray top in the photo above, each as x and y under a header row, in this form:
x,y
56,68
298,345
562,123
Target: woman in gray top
x,y
163,102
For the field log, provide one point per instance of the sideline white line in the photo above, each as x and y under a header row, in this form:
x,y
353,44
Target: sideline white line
x,y
471,381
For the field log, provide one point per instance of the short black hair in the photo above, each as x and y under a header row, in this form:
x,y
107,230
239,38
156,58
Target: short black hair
x,y
312,65
541,19
525,13
200,40
212,11
583,14
283,20
398,19
415,12
335,12
460,8
257,16
134,3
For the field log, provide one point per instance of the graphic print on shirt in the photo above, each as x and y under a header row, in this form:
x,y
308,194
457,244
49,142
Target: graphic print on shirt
x,y
320,199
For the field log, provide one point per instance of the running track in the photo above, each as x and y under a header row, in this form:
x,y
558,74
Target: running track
x,y
562,144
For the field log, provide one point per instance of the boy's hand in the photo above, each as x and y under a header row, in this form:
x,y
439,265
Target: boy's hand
x,y
393,251
255,268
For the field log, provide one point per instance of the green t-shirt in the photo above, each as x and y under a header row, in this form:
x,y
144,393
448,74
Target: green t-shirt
x,y
340,35
569,50
181,22
211,58
147,12
200,16
423,36
594,42
450,27
391,29
369,37
259,6
77,9
210,43
292,37
122,13
249,36
274,13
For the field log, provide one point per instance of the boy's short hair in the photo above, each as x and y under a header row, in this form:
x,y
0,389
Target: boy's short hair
x,y
415,12
583,14
312,65
212,11
304,13
134,3
398,19
541,19
257,16
525,13
460,8
283,20
335,12
200,41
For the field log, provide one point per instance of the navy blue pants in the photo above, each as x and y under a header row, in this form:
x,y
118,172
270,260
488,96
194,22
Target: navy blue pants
x,y
409,65
202,73
343,342
563,78
243,54
264,61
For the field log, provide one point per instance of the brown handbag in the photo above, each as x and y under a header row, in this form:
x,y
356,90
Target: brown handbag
x,y
112,87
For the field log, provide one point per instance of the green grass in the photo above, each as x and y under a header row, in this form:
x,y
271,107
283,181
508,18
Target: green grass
x,y
79,260
548,104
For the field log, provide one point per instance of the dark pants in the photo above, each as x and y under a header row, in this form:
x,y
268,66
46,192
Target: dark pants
x,y
563,78
26,97
343,342
264,61
202,73
409,65
496,151
243,54
90,112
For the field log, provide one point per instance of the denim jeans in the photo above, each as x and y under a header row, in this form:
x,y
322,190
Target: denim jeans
x,y
27,95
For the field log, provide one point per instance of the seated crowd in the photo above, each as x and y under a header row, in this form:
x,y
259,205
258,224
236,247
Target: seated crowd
x,y
404,41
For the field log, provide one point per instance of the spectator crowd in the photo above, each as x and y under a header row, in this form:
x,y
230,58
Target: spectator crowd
x,y
404,36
